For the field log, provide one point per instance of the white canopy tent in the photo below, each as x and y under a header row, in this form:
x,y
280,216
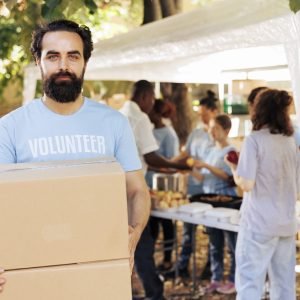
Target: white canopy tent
x,y
199,45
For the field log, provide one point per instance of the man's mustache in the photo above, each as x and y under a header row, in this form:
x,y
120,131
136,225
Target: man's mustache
x,y
63,74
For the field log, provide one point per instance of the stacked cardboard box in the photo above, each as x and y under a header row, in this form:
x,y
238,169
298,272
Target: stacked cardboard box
x,y
64,232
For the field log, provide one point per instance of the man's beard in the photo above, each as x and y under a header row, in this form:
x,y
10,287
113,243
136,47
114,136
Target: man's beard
x,y
63,91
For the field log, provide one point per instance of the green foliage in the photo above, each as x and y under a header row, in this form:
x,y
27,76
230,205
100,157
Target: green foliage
x,y
16,29
294,5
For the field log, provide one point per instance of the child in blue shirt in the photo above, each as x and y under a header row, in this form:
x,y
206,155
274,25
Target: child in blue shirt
x,y
215,175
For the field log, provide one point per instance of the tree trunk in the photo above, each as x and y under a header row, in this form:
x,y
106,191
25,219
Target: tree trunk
x,y
177,93
152,11
168,8
182,121
178,5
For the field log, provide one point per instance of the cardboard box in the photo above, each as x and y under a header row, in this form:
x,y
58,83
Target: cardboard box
x,y
61,213
92,281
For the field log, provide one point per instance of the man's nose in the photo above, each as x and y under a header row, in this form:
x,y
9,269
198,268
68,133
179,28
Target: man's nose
x,y
64,64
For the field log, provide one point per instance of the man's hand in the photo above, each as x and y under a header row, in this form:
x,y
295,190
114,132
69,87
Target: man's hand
x,y
134,237
2,280
138,203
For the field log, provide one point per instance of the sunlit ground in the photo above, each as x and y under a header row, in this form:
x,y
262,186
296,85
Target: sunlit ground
x,y
173,288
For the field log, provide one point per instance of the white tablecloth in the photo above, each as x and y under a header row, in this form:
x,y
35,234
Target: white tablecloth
x,y
198,219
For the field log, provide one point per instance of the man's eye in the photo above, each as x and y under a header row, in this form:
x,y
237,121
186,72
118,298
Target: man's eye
x,y
52,57
74,56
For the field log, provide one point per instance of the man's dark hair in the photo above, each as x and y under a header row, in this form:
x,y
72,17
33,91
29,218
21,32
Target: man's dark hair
x,y
271,110
62,25
140,88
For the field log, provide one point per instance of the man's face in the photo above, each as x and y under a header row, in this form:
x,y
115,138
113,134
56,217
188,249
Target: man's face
x,y
62,65
148,101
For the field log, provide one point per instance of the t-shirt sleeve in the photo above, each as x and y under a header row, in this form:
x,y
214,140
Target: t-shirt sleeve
x,y
144,136
247,165
7,148
126,151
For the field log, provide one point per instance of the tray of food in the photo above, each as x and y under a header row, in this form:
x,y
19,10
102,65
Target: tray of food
x,y
217,200
167,200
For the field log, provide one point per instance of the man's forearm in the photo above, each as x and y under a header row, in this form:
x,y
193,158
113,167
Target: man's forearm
x,y
155,160
138,200
139,209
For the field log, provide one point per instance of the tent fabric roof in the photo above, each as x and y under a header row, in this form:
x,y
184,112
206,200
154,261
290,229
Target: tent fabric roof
x,y
151,50
197,46
158,51
218,26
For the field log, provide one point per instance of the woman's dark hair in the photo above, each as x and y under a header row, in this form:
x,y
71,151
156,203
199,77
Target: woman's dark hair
x,y
253,94
164,108
224,121
210,101
271,110
62,25
159,107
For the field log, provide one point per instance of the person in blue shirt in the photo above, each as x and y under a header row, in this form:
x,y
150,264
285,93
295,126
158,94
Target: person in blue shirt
x,y
65,125
165,135
215,177
198,146
168,143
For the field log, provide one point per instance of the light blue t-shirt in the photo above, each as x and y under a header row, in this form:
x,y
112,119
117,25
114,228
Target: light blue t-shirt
x,y
34,133
167,140
212,183
198,146
168,143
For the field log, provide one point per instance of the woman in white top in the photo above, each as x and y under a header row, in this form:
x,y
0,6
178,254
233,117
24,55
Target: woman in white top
x,y
268,173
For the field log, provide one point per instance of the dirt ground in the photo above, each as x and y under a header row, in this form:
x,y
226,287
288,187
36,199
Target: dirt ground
x,y
179,289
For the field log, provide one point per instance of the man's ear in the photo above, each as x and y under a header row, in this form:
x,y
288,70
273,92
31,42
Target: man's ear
x,y
37,62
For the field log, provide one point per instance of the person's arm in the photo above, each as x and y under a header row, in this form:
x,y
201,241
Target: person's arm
x,y
214,170
197,175
155,160
2,280
183,156
161,170
245,184
138,203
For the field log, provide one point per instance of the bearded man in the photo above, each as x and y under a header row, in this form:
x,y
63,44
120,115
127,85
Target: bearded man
x,y
65,125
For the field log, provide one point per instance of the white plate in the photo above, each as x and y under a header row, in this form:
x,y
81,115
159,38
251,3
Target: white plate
x,y
222,212
194,208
